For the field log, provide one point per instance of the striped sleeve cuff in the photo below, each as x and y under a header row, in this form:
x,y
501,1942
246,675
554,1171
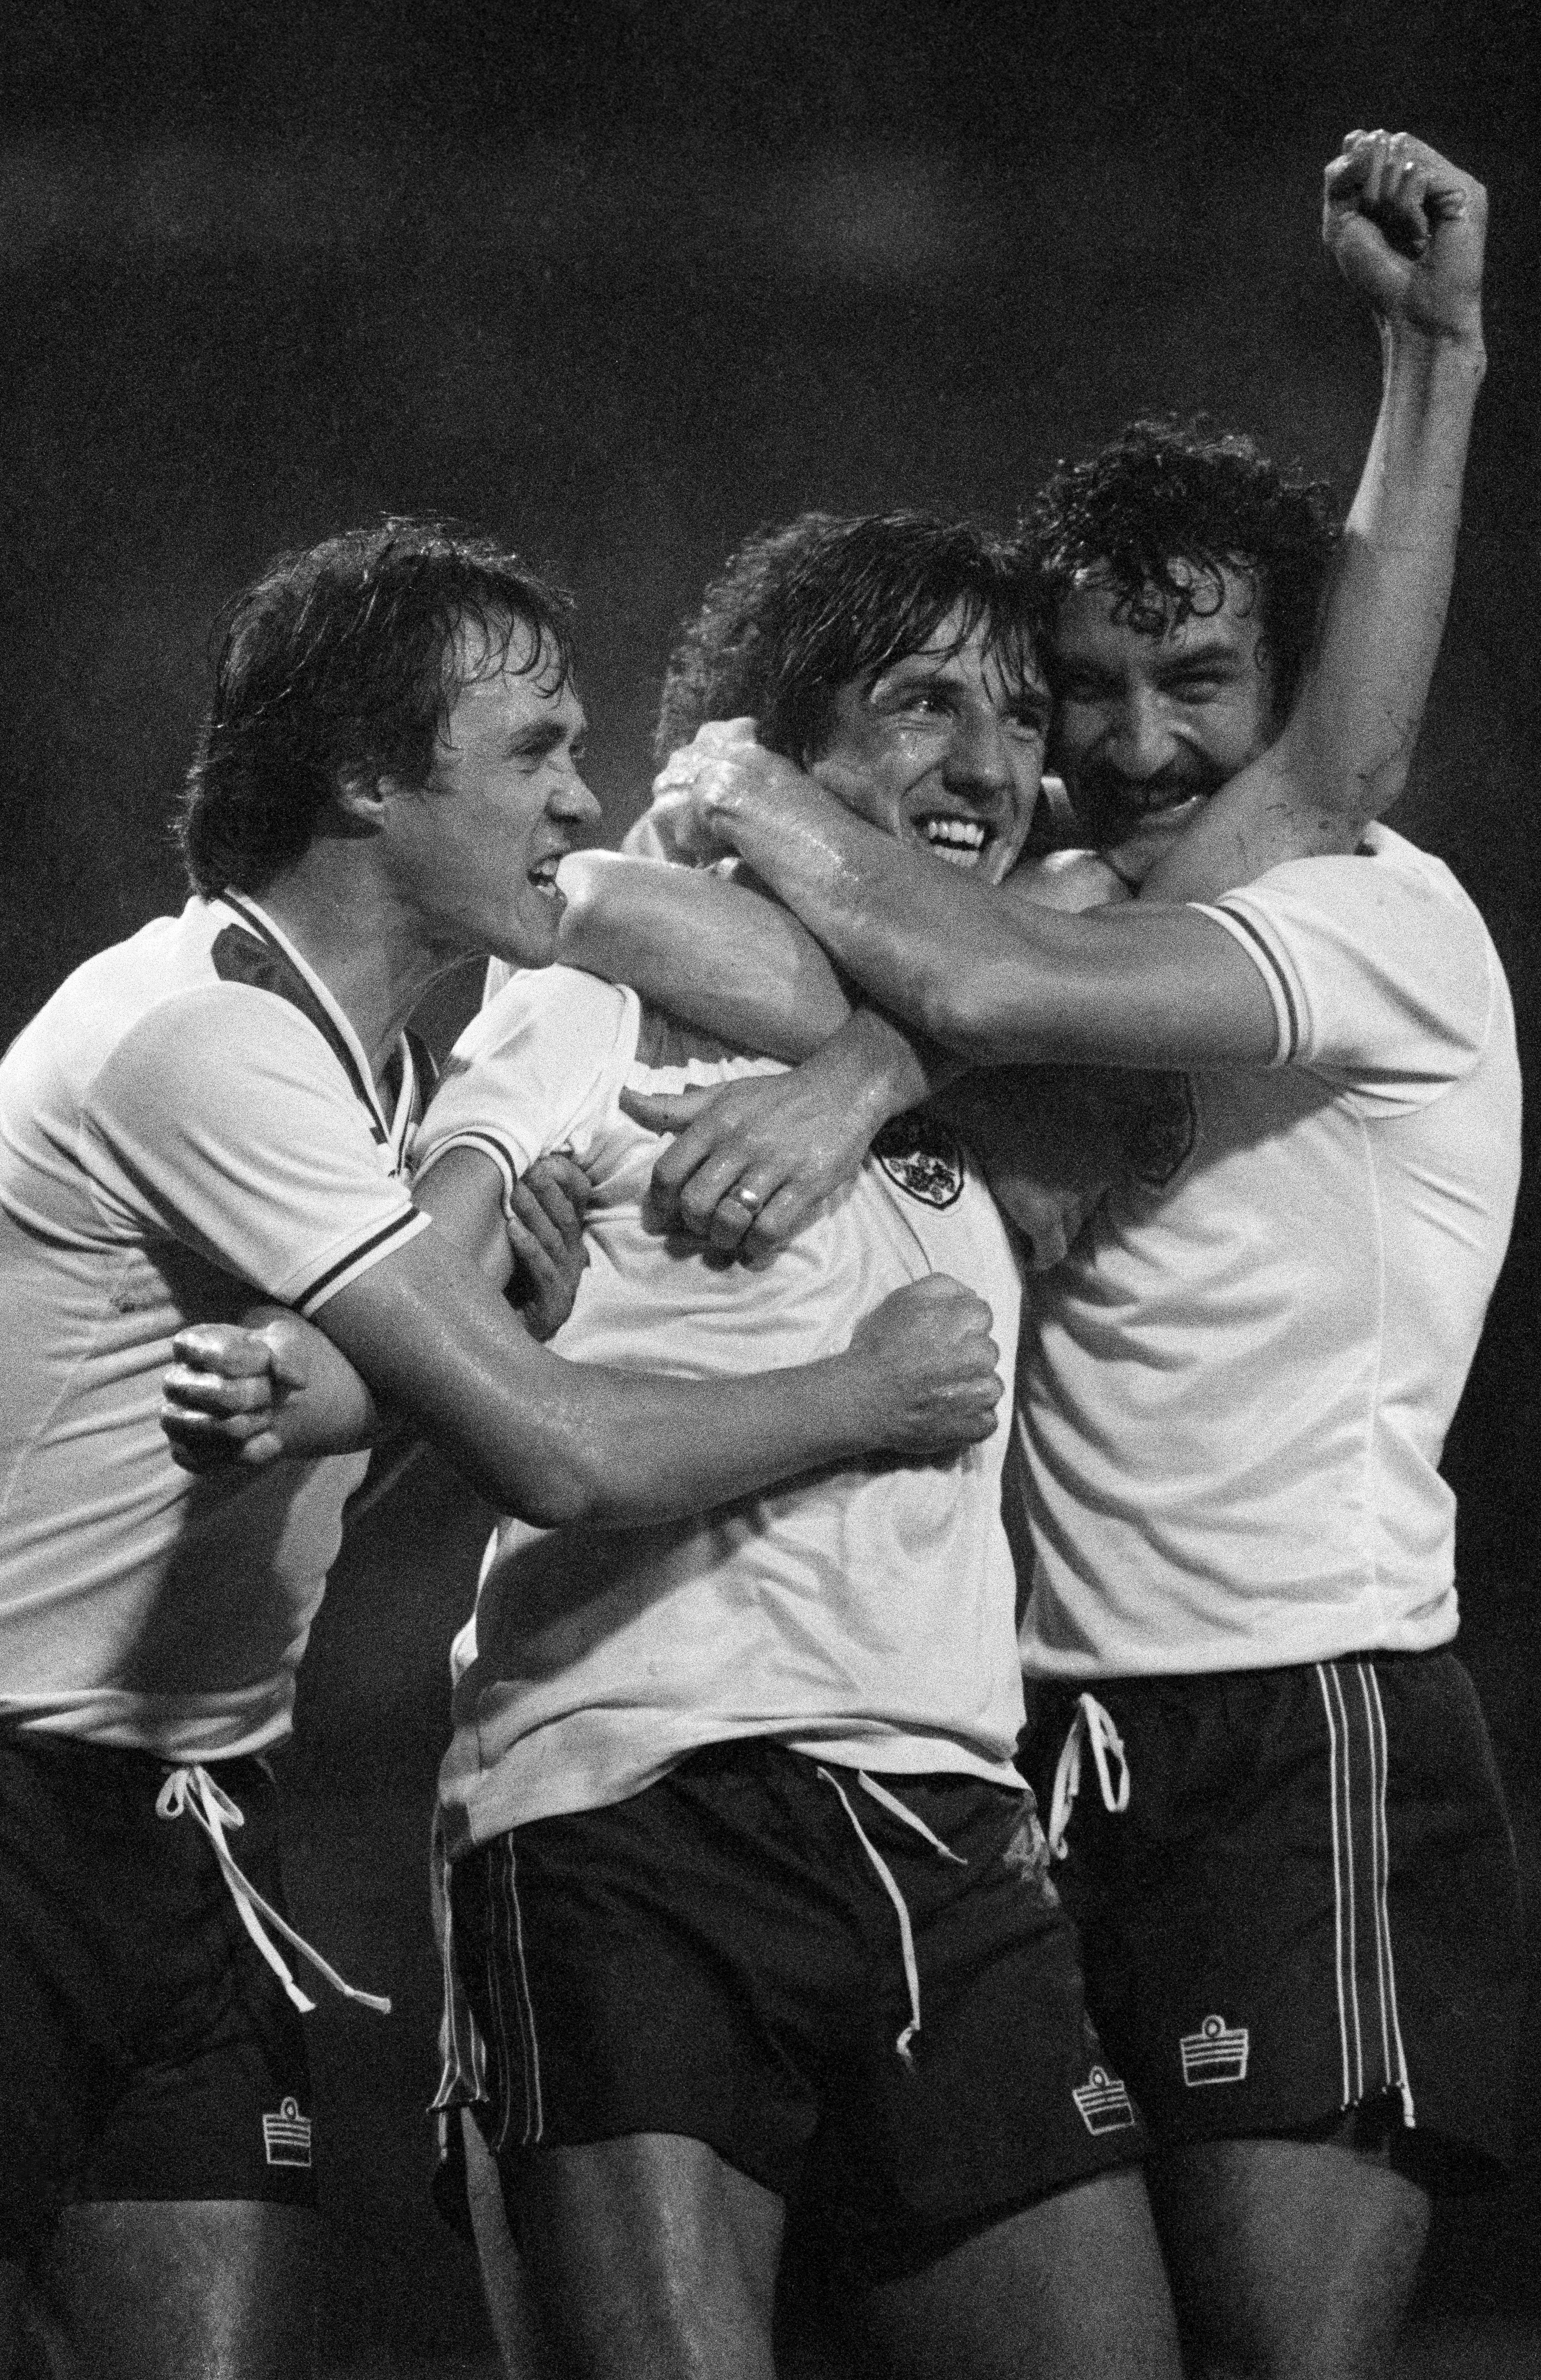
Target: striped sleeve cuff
x,y
359,1259
1281,990
486,1144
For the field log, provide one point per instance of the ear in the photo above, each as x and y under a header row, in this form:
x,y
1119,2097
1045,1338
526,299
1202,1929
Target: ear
x,y
362,795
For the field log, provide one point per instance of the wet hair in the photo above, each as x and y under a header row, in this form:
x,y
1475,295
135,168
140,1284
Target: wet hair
x,y
802,611
346,658
1161,494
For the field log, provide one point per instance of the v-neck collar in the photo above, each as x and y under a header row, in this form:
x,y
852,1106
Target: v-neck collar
x,y
309,994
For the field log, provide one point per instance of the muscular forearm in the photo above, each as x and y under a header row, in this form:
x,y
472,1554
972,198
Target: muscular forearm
x,y
1352,735
555,1441
716,953
998,981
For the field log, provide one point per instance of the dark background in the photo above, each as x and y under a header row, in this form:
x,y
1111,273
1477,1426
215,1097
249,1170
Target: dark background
x,y
619,281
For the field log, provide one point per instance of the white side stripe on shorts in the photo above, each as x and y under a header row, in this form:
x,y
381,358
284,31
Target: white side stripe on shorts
x,y
507,1917
1369,2023
462,2051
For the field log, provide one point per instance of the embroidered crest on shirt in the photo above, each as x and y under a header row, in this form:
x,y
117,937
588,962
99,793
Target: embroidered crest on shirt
x,y
1104,2103
922,1158
1216,2053
286,2136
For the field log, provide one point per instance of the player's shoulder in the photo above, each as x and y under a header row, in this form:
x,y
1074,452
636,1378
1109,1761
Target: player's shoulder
x,y
1386,876
159,988
549,996
554,1000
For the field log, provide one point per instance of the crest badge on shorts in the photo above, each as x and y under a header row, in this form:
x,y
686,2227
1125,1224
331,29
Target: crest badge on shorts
x,y
287,2135
1104,2103
1217,2052
922,1158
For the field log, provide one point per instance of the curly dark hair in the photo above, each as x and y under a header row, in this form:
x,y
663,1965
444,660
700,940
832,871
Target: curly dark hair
x,y
1162,492
348,657
804,609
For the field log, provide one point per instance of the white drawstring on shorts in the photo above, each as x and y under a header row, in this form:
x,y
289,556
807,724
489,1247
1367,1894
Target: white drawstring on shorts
x,y
194,1791
1092,1723
891,1802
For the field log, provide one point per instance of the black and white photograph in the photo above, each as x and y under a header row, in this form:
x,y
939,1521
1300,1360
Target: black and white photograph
x,y
768,1249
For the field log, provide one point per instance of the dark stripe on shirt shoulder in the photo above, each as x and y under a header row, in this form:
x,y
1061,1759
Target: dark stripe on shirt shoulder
x,y
387,1232
1275,971
269,967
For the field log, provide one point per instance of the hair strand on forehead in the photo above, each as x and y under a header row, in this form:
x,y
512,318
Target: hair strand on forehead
x,y
1164,512
827,600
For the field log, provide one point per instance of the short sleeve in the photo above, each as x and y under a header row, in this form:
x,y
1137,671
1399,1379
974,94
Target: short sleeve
x,y
539,1069
1380,971
224,1120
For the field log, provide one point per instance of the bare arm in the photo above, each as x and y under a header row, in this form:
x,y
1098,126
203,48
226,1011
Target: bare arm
x,y
1153,986
1345,753
754,1159
557,1443
716,953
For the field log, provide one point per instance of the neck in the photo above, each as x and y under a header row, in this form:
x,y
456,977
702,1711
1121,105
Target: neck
x,y
372,957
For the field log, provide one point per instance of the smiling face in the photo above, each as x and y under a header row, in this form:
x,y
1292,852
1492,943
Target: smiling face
x,y
943,750
474,851
1147,727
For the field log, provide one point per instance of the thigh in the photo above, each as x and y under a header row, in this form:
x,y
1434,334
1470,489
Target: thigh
x,y
1070,2288
1289,2259
142,2290
652,2257
505,2282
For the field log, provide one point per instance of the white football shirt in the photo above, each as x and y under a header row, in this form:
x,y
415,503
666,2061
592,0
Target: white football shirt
x,y
189,1120
1235,1389
865,1615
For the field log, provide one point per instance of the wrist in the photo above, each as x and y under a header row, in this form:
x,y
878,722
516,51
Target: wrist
x,y
850,1423
1451,351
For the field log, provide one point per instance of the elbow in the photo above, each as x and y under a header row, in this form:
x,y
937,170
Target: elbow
x,y
576,882
563,1498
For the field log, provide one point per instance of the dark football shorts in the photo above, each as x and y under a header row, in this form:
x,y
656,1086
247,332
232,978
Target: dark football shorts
x,y
1310,1905
767,1954
146,2050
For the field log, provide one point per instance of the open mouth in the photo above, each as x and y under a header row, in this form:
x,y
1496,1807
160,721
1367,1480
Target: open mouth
x,y
962,842
543,876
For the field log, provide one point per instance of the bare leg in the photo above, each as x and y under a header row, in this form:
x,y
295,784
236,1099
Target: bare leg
x,y
1291,2259
504,2283
1070,2288
152,2289
654,2259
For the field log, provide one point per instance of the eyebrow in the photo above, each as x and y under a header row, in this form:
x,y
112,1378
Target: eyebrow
x,y
1202,653
544,734
919,669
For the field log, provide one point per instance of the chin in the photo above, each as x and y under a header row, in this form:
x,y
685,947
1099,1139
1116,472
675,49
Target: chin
x,y
532,943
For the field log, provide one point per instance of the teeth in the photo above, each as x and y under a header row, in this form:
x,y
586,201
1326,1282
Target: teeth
x,y
956,856
949,836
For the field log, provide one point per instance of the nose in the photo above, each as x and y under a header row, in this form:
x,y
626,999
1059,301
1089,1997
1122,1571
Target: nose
x,y
1138,740
978,758
573,802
